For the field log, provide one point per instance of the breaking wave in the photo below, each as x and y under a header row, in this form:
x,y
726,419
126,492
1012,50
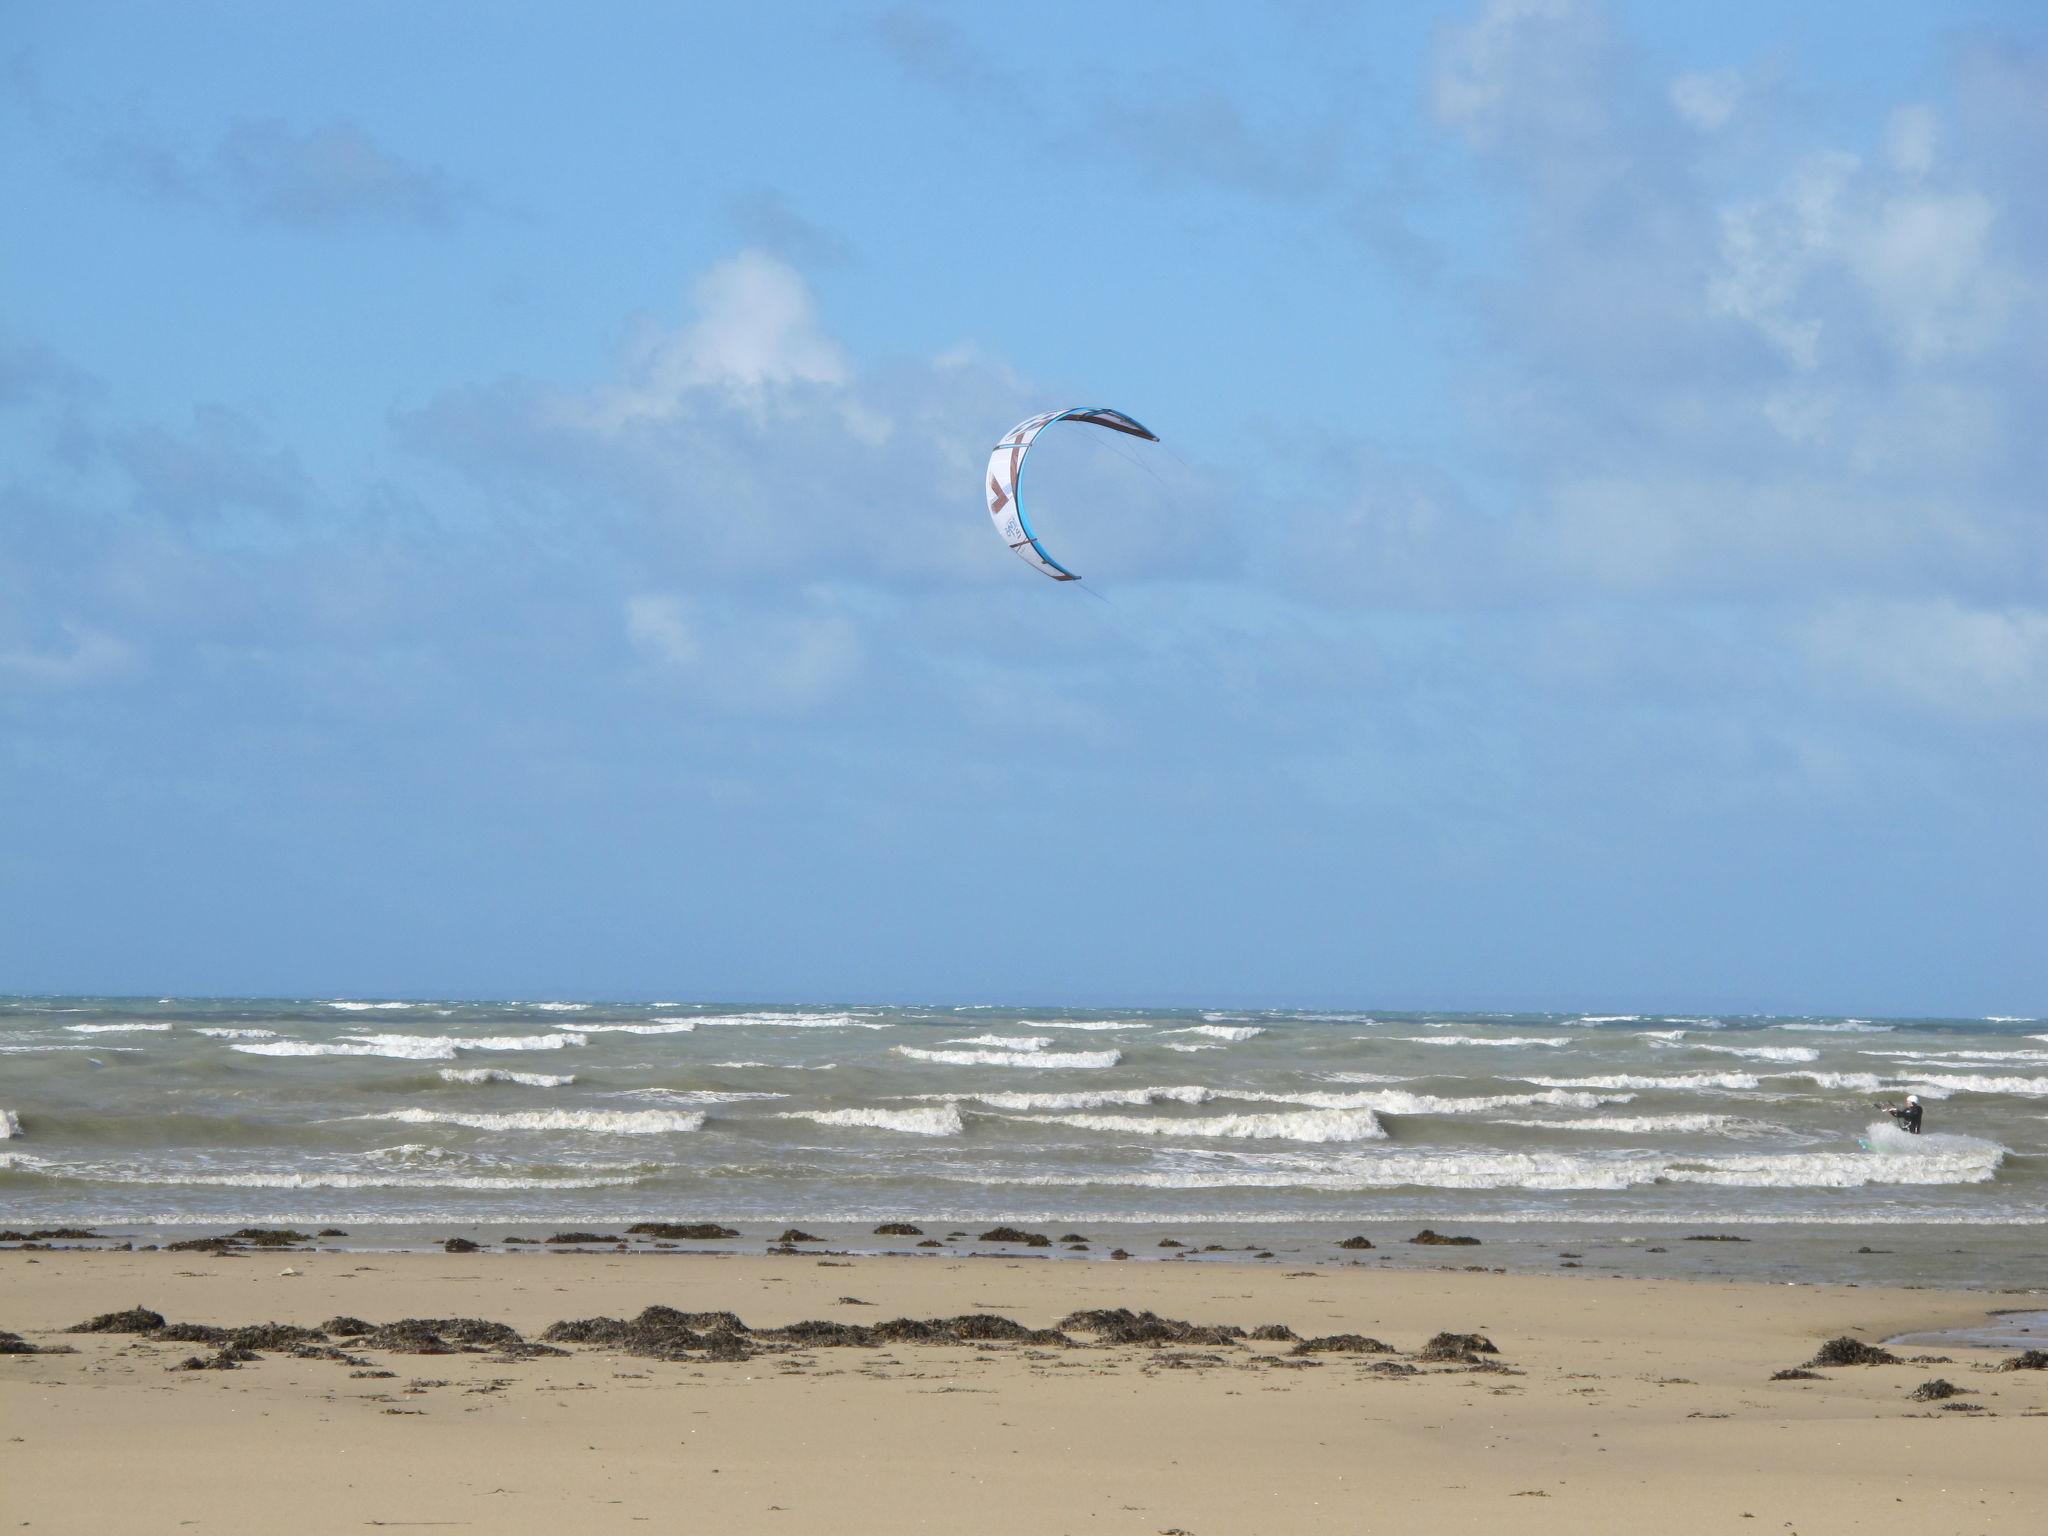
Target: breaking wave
x,y
1305,1125
943,1121
118,1029
1014,1058
501,1075
1231,1032
604,1122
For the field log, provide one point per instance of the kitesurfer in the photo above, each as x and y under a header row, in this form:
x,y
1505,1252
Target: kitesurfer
x,y
1907,1114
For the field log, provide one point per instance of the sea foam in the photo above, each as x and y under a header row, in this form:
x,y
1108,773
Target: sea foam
x,y
944,1121
501,1075
117,1029
604,1122
1042,1059
10,1124
1691,1081
1004,1042
1550,1040
656,1027
1231,1032
1322,1125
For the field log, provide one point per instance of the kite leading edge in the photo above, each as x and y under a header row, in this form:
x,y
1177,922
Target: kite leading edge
x,y
1006,468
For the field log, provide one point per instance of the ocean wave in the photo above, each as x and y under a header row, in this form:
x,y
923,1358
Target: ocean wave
x,y
1004,1042
118,1029
604,1122
1689,1081
1087,1024
1099,1099
1643,1125
779,1066
1839,1027
1365,1077
1550,1040
1189,1050
409,1047
1761,1052
1044,1059
238,1034
392,1180
1608,1018
657,1027
420,1050
1953,1057
696,1095
2023,1087
1963,1162
501,1075
561,1007
1321,1125
915,1122
368,1007
1230,1032
1664,1035
780,1020
10,1124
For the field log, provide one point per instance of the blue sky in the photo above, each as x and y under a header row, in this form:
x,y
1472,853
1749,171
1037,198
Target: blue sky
x,y
490,503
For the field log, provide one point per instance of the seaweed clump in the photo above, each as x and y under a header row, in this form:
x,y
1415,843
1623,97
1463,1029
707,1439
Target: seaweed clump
x,y
2028,1360
1120,1325
1342,1344
1360,1242
1848,1351
1015,1235
1934,1390
134,1320
1430,1239
1457,1348
681,1231
898,1229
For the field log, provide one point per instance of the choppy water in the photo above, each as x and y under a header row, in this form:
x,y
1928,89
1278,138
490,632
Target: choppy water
x,y
179,1110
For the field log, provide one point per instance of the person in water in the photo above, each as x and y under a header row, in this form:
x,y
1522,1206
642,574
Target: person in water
x,y
1907,1114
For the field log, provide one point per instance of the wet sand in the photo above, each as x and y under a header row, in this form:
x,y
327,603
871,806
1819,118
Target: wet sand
x,y
1622,1403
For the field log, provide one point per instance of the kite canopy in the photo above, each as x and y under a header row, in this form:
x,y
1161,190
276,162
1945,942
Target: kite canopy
x,y
1006,468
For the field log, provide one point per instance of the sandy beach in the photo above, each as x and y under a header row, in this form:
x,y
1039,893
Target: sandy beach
x,y
1610,1404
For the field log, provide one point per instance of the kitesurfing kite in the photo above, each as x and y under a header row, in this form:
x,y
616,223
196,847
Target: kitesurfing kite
x,y
1006,468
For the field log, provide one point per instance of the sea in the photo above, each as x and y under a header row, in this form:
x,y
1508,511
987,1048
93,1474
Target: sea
x,y
1236,1131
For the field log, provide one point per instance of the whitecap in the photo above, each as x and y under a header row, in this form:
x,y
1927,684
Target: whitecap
x,y
1004,1042
657,1027
915,1122
1549,1040
501,1075
1839,1027
605,1122
1231,1032
238,1034
352,1007
781,1020
117,1029
10,1124
1690,1081
1085,1024
1041,1059
1317,1125
1761,1052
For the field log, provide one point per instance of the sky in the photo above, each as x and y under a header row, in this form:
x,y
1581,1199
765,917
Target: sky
x,y
490,503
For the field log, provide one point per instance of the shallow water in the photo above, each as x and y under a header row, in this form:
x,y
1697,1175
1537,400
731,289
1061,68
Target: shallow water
x,y
364,1112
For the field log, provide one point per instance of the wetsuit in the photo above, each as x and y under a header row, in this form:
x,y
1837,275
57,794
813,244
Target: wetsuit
x,y
1908,1116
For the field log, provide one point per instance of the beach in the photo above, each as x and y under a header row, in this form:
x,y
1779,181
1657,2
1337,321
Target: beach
x,y
1604,1404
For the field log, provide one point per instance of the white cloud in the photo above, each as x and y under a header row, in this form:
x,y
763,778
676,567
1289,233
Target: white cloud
x,y
1707,101
1936,655
770,659
92,656
756,329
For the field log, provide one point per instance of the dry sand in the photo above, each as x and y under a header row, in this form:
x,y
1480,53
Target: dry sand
x,y
1632,1404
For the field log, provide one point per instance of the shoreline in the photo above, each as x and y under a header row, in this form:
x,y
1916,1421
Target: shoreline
x,y
1602,1393
2007,1259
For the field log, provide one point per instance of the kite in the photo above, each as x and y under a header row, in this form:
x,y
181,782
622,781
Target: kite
x,y
1006,467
